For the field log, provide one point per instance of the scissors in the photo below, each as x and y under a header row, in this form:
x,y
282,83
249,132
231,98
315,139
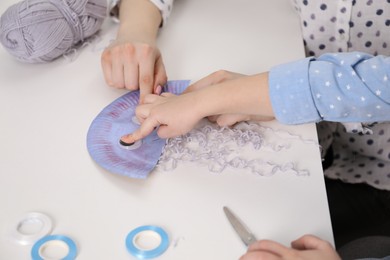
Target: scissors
x,y
243,232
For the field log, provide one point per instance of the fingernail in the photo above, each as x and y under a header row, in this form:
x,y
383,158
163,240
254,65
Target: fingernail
x,y
158,90
125,143
126,140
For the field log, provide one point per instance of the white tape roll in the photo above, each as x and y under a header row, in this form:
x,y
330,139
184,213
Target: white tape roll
x,y
31,227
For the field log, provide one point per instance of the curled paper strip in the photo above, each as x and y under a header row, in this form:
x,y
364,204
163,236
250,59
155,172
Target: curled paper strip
x,y
217,148
116,120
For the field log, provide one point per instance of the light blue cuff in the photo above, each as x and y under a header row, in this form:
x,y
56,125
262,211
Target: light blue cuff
x,y
290,93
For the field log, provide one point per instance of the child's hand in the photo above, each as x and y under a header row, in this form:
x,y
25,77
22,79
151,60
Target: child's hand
x,y
307,247
212,79
177,115
226,119
134,65
174,115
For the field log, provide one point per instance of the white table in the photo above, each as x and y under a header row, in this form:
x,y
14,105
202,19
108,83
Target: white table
x,y
46,109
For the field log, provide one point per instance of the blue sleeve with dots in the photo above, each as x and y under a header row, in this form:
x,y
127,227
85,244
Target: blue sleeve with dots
x,y
342,87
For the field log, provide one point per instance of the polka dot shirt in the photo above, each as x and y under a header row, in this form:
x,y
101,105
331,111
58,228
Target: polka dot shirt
x,y
346,79
345,25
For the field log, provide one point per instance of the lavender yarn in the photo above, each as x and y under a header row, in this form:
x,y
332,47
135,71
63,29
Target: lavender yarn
x,y
38,31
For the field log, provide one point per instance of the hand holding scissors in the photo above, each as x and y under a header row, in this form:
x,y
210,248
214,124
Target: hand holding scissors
x,y
307,247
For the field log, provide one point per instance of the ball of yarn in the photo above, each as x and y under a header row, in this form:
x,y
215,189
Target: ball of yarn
x,y
38,31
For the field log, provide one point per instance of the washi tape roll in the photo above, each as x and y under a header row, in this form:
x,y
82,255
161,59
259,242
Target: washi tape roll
x,y
31,227
37,251
141,233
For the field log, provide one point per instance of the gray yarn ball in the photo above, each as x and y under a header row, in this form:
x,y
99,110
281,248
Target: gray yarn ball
x,y
37,31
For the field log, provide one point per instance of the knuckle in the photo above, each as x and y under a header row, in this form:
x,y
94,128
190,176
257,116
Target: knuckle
x,y
117,84
131,87
153,114
221,121
221,75
139,112
106,57
115,51
146,79
129,49
146,50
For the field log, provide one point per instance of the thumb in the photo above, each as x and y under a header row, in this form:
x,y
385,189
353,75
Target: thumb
x,y
146,128
310,242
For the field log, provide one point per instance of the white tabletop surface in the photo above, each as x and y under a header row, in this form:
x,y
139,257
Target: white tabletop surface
x,y
46,110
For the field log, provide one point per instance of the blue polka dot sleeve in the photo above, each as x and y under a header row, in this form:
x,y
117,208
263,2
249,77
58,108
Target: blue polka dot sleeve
x,y
342,87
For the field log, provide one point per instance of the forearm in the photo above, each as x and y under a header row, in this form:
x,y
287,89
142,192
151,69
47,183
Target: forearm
x,y
339,87
247,95
139,20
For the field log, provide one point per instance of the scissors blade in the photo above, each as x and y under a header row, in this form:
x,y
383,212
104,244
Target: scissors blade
x,y
243,232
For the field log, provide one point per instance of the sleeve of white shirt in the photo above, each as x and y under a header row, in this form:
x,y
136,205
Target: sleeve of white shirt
x,y
165,7
342,87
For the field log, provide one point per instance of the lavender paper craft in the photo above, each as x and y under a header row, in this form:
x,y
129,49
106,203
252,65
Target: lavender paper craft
x,y
116,120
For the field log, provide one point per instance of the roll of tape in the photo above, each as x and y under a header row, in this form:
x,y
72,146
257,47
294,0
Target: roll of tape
x,y
137,250
54,240
31,227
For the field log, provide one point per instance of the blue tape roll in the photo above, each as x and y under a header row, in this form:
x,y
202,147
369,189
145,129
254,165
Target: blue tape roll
x,y
72,249
145,254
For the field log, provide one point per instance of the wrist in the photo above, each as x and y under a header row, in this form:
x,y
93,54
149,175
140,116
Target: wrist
x,y
246,95
139,21
131,34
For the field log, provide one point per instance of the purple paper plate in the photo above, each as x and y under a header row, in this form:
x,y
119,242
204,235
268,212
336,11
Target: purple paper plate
x,y
116,120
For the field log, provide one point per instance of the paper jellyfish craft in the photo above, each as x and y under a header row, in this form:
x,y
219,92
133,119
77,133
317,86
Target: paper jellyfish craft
x,y
114,121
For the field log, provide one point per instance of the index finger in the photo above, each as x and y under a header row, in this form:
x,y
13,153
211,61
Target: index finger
x,y
146,78
145,129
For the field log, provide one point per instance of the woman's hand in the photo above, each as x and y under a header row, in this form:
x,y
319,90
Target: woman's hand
x,y
134,65
307,247
133,60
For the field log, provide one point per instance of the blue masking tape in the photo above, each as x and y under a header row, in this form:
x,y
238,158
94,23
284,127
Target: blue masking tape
x,y
131,242
41,243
